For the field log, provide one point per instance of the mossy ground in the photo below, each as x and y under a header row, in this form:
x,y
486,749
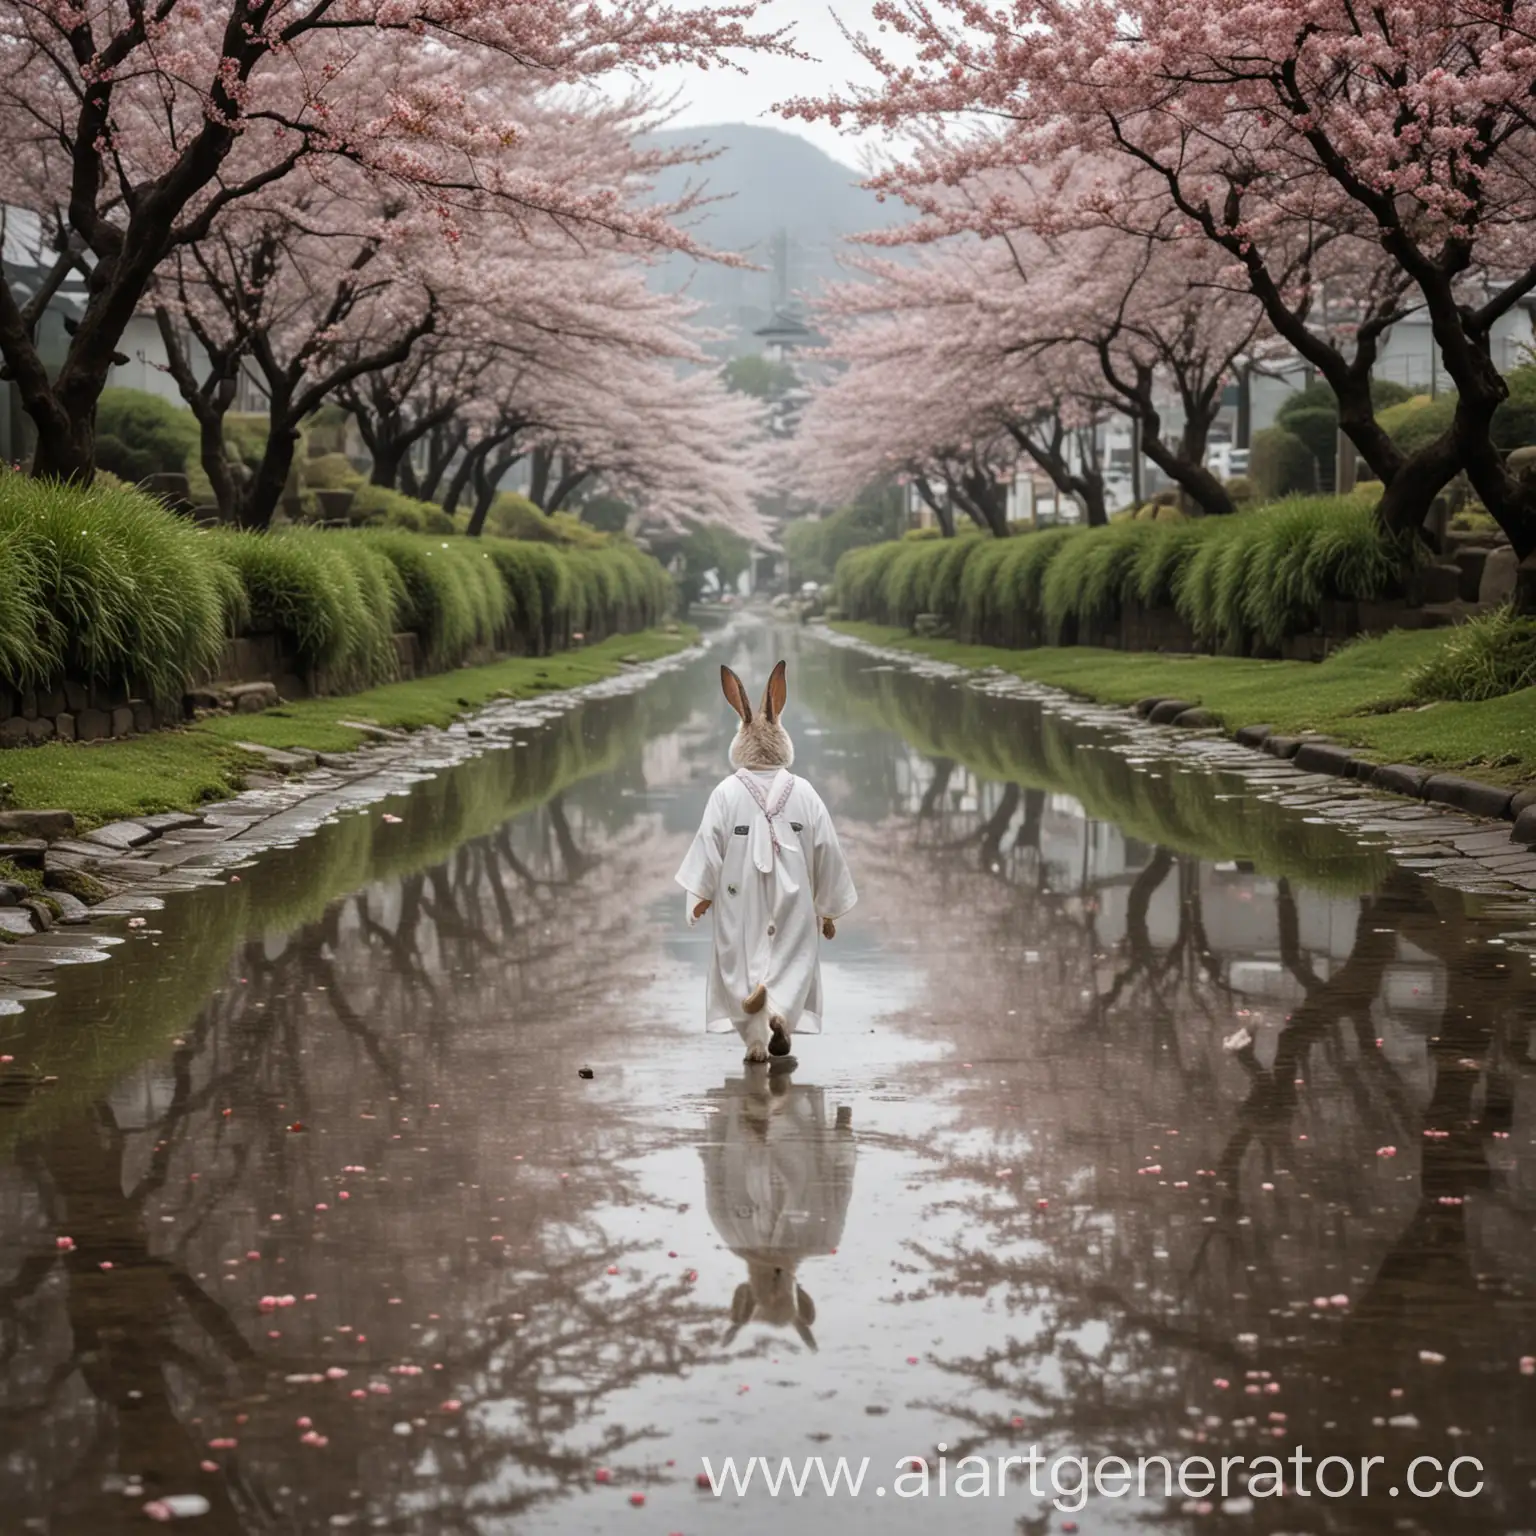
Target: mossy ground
x,y
183,769
1358,696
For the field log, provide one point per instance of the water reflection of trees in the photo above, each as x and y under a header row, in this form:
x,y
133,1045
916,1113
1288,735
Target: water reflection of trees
x,y
1200,1199
374,1037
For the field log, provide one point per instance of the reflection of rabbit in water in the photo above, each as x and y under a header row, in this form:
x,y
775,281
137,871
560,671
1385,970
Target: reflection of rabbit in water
x,y
777,1179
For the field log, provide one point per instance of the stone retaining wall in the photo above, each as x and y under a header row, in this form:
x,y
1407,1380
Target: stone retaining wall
x,y
255,672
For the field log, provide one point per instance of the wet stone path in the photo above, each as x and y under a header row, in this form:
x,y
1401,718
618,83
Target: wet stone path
x,y
1171,1105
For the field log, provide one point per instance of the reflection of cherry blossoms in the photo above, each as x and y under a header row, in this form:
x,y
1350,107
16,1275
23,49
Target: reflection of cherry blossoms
x,y
1197,1248
350,1229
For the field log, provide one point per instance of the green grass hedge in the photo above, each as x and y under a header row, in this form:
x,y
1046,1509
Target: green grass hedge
x,y
1253,578
106,586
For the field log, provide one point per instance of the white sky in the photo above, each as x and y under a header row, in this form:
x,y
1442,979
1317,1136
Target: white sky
x,y
722,96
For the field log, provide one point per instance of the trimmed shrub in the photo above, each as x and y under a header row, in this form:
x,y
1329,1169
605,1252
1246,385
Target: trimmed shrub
x,y
104,585
1279,464
335,601
330,472
245,437
1514,423
455,598
376,506
139,434
513,516
1318,428
1485,658
1415,423
1088,576
1251,579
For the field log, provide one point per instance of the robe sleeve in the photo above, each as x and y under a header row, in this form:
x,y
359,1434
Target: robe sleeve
x,y
831,882
700,872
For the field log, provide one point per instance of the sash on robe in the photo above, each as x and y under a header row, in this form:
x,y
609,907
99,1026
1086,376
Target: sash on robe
x,y
763,845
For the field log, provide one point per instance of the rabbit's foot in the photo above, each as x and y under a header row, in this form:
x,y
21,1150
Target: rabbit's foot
x,y
756,1002
779,1044
757,1051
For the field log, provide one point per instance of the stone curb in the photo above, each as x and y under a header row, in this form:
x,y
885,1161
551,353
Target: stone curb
x,y
139,862
1317,754
1451,838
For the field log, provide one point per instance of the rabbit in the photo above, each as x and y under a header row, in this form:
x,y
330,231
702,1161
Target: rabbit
x,y
767,863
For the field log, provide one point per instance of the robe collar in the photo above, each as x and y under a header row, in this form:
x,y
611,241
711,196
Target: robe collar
x,y
764,842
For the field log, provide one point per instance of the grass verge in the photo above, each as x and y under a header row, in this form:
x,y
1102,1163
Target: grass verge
x,y
184,769
1359,696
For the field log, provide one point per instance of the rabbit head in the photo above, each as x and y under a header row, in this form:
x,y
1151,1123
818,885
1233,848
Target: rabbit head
x,y
761,742
772,1296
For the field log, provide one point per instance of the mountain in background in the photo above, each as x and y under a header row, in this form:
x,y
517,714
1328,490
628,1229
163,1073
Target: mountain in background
x,y
786,206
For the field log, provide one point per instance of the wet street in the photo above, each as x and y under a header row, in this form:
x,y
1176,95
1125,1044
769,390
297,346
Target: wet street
x,y
395,1186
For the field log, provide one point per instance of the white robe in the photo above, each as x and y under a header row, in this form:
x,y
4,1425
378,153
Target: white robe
x,y
778,1173
768,902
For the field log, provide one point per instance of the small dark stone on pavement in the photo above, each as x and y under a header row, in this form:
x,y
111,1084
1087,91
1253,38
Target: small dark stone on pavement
x,y
584,1072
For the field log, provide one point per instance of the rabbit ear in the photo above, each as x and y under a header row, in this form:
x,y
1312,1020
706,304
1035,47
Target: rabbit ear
x,y
735,694
743,1303
775,694
807,1338
806,1307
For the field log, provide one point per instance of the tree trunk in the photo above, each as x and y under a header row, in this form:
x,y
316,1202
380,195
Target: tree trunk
x,y
1086,486
570,478
943,513
209,401
1480,391
389,453
66,442
1185,466
441,449
538,484
262,496
1406,501
1090,491
1195,480
214,456
980,493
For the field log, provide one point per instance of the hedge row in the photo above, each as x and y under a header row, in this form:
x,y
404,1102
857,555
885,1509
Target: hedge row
x,y
104,585
1253,578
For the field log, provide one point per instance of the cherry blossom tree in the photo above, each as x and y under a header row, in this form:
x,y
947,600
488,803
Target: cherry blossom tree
x,y
1288,138
338,286
937,391
632,419
304,298
132,129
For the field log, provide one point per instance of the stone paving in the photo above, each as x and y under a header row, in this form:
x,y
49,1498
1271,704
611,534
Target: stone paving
x,y
1476,855
139,862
